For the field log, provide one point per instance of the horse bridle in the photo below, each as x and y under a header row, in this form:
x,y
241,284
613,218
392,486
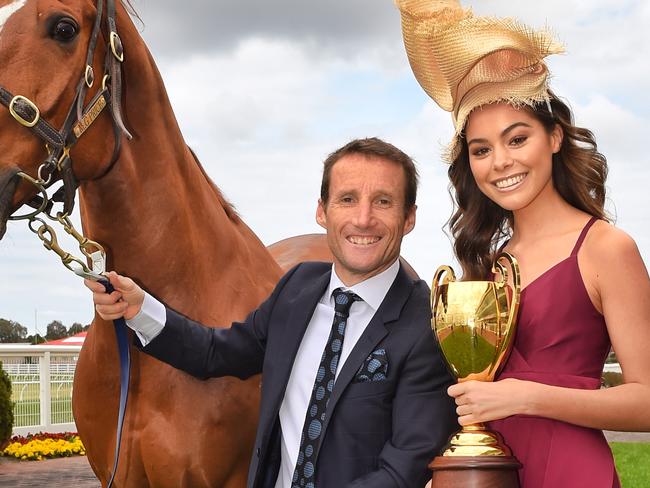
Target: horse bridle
x,y
59,142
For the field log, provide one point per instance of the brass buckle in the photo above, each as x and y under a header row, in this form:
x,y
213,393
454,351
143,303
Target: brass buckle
x,y
89,76
18,117
116,46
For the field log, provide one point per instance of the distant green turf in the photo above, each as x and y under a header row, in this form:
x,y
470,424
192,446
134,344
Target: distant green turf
x,y
471,354
632,463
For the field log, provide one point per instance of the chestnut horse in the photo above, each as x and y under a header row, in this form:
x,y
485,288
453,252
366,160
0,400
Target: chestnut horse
x,y
162,222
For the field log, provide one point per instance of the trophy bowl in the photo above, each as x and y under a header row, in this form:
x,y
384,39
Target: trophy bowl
x,y
474,323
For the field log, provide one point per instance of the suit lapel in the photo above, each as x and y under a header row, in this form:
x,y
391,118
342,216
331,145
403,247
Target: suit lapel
x,y
389,311
302,308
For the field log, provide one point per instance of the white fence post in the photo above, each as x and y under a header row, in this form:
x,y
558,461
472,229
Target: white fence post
x,y
45,390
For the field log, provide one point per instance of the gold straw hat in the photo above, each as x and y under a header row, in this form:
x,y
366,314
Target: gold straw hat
x,y
463,61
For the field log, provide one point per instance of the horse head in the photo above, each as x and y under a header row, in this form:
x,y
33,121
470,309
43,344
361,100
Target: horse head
x,y
61,92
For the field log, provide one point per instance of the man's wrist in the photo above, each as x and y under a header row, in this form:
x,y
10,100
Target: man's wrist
x,y
150,320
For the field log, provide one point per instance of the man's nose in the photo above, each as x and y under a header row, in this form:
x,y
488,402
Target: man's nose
x,y
364,214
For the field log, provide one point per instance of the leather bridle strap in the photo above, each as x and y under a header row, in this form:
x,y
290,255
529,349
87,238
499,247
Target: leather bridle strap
x,y
27,114
89,75
114,66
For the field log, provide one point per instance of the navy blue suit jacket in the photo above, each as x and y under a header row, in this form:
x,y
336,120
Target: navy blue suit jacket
x,y
378,434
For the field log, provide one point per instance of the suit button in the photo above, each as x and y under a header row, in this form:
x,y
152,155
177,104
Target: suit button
x,y
257,451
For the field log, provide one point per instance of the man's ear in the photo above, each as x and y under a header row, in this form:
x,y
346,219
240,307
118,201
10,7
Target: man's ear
x,y
321,215
409,223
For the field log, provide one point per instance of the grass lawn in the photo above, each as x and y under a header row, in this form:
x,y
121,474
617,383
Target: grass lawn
x,y
632,463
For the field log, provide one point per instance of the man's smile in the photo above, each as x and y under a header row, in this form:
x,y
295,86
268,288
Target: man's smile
x,y
363,240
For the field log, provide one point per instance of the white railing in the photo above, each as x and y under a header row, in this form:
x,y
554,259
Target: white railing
x,y
41,379
612,368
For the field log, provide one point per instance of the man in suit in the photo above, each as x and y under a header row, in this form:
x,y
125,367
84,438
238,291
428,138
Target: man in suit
x,y
353,384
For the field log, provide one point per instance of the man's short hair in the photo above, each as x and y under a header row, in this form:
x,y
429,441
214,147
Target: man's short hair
x,y
374,147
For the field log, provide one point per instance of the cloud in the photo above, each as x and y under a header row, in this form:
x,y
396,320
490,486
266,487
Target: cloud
x,y
619,130
260,89
328,28
621,135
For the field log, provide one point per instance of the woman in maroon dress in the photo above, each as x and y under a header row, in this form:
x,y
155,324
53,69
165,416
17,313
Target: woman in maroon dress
x,y
528,180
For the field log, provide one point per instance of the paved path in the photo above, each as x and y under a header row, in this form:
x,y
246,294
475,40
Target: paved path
x,y
75,471
627,436
51,473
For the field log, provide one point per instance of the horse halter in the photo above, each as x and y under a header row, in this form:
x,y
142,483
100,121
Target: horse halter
x,y
59,142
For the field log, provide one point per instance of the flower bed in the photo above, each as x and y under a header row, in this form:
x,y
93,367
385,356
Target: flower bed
x,y
36,447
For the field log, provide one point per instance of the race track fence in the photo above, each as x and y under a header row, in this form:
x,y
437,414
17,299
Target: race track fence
x,y
41,384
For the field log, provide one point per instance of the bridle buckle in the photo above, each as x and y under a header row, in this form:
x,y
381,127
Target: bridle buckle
x,y
116,46
89,76
21,120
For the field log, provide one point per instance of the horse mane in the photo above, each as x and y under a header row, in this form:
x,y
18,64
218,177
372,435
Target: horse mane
x,y
228,207
130,9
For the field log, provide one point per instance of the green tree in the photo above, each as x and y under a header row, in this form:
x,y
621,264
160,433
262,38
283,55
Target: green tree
x,y
55,330
11,331
75,329
35,339
6,407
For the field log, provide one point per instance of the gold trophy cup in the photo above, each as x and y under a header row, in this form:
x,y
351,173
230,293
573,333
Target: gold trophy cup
x,y
474,323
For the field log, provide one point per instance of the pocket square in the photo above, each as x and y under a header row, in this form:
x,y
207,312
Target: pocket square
x,y
374,368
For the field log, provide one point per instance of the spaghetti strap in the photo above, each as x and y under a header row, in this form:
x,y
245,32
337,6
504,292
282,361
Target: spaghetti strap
x,y
583,234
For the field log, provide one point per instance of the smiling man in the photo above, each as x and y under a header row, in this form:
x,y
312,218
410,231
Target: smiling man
x,y
353,385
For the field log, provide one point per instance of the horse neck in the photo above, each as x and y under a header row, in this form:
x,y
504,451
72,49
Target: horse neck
x,y
161,218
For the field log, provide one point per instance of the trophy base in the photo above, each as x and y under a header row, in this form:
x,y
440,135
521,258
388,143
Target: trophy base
x,y
475,440
475,472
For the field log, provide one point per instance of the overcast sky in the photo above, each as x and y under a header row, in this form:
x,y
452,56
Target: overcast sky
x,y
283,83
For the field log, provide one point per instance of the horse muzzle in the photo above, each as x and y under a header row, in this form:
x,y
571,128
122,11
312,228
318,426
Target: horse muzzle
x,y
8,185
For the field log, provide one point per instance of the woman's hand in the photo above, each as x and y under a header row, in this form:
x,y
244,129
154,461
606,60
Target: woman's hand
x,y
482,401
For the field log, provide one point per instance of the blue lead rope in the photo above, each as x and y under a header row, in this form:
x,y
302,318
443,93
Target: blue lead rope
x,y
125,368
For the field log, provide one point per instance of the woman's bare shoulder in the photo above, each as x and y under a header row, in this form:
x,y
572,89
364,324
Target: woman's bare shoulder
x,y
606,241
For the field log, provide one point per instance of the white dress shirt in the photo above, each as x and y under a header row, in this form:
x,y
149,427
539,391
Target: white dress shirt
x,y
151,319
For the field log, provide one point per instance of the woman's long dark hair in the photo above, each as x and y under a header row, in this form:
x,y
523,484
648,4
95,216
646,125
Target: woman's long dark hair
x,y
478,224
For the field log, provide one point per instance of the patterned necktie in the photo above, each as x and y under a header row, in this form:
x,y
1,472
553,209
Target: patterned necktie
x,y
304,474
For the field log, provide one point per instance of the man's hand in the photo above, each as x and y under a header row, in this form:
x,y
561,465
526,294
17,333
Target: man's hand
x,y
125,301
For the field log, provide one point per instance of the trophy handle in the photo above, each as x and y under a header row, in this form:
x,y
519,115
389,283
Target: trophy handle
x,y
449,276
500,268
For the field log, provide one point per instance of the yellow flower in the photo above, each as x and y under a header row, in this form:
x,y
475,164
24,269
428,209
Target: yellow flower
x,y
41,449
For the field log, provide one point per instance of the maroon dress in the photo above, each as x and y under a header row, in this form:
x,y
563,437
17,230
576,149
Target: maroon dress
x,y
561,340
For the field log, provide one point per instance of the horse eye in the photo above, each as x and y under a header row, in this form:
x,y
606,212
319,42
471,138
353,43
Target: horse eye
x,y
65,30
